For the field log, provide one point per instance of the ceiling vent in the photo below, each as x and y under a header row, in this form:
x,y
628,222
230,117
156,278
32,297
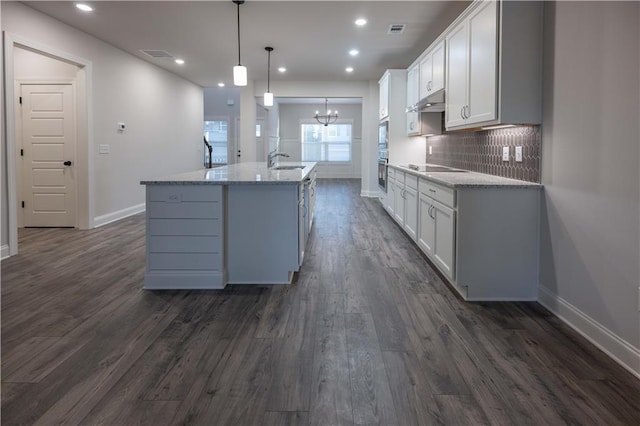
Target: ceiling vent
x,y
396,29
157,53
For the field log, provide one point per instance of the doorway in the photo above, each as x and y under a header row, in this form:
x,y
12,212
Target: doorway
x,y
81,159
47,142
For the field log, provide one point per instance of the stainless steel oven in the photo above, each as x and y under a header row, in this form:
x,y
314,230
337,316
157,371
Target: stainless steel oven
x,y
382,174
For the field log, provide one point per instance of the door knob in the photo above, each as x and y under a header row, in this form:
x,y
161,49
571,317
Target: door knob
x,y
67,163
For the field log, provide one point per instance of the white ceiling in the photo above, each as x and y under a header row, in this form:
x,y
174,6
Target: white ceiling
x,y
311,38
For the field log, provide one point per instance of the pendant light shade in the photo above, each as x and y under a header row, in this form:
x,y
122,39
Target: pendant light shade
x,y
268,99
268,96
239,71
240,75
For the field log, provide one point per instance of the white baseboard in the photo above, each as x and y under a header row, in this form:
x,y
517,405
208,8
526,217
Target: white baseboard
x,y
617,348
4,251
371,194
120,214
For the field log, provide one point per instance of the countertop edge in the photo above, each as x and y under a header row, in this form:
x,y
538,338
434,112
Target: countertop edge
x,y
188,180
510,183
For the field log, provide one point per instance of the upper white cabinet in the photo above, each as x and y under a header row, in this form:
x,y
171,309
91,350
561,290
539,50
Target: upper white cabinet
x,y
413,96
493,65
384,97
432,71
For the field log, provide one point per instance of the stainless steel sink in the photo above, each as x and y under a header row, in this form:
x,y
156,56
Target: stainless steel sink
x,y
296,167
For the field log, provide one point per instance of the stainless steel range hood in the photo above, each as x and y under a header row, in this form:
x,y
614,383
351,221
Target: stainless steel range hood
x,y
432,103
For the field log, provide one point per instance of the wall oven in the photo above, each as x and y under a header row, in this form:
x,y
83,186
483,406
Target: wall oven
x,y
383,154
382,174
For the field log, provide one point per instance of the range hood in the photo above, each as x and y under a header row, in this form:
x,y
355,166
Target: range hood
x,y
431,103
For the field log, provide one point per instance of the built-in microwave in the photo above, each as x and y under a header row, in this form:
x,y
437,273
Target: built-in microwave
x,y
383,135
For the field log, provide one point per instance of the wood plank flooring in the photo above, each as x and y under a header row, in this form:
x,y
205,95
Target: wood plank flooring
x,y
368,334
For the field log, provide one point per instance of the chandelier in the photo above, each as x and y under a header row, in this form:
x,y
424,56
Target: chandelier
x,y
328,117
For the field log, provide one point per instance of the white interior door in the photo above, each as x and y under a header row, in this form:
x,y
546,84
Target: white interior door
x,y
49,145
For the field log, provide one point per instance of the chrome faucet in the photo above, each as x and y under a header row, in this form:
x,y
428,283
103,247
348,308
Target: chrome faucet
x,y
272,156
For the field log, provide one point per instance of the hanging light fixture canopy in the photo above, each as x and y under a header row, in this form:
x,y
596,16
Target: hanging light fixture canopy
x,y
328,117
239,71
268,96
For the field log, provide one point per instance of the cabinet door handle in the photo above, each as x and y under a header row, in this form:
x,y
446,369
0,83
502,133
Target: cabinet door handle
x,y
467,111
430,211
462,112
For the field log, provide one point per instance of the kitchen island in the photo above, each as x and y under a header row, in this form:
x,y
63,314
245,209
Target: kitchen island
x,y
238,224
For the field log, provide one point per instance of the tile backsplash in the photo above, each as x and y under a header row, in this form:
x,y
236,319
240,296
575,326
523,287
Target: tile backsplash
x,y
482,151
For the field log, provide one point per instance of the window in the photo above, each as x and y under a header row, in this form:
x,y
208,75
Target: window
x,y
216,132
330,143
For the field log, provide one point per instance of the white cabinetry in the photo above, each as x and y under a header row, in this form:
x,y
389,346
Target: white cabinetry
x,y
185,237
384,96
398,198
493,65
437,225
410,198
484,240
471,92
432,67
413,96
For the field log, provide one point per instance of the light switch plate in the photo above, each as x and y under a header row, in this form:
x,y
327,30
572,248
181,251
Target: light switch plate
x,y
430,150
105,148
518,154
505,153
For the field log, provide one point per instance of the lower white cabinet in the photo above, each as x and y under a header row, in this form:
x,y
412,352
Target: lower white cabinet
x,y
410,198
484,240
398,203
437,231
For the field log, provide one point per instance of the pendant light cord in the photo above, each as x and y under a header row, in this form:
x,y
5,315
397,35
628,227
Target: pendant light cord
x,y
268,69
238,33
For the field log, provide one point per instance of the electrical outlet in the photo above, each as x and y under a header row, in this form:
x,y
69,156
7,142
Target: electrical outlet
x,y
518,154
105,148
505,153
430,150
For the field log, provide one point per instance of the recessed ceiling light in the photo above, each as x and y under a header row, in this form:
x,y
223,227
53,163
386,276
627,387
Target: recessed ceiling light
x,y
180,61
349,69
354,52
221,84
84,7
360,22
282,69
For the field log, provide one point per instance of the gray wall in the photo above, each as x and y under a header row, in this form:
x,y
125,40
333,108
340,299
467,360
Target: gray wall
x,y
590,162
290,142
163,112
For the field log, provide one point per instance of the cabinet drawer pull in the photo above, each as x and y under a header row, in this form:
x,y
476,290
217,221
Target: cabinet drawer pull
x,y
432,190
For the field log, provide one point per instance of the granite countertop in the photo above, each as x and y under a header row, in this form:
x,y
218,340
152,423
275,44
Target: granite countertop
x,y
241,173
468,179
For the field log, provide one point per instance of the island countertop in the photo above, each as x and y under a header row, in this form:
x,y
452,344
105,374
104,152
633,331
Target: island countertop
x,y
241,173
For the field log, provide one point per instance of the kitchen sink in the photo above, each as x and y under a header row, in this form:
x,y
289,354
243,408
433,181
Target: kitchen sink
x,y
296,167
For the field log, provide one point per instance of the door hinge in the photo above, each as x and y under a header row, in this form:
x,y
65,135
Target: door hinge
x,y
22,152
23,204
20,100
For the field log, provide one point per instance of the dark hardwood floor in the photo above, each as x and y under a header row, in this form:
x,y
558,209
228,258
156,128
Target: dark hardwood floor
x,y
368,334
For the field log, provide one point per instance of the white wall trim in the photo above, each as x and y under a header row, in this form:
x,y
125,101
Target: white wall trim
x,y
617,348
10,41
4,251
117,215
371,194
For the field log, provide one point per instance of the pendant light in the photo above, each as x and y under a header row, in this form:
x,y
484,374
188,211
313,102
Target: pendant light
x,y
239,71
268,96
